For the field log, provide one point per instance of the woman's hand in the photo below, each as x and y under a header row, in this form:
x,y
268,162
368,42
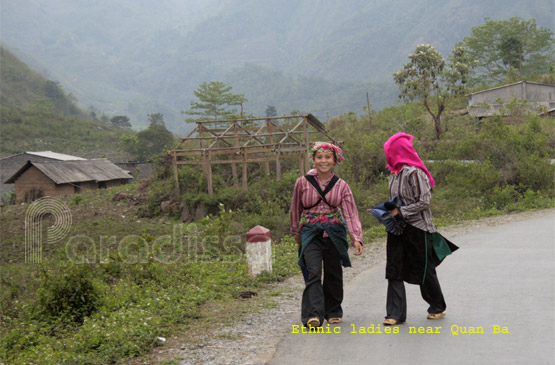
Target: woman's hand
x,y
394,212
358,247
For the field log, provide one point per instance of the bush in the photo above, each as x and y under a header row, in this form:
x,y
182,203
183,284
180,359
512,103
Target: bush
x,y
535,173
191,180
76,199
219,228
68,295
533,200
7,198
501,197
519,152
159,191
466,179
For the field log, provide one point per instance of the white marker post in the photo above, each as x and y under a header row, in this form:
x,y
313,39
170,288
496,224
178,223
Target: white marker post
x,y
259,250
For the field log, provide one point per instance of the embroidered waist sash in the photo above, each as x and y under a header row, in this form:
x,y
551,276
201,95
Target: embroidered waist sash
x,y
332,218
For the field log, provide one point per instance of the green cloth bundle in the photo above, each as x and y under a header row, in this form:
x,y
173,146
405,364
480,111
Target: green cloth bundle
x,y
336,232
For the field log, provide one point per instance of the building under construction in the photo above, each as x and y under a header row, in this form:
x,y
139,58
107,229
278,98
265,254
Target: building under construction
x,y
254,140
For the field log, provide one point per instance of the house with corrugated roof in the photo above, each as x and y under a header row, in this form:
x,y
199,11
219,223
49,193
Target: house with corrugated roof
x,y
9,165
62,178
540,99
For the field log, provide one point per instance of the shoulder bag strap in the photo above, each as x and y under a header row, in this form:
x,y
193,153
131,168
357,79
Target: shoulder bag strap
x,y
312,180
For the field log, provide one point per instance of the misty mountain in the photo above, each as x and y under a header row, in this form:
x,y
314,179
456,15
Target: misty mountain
x,y
37,115
140,57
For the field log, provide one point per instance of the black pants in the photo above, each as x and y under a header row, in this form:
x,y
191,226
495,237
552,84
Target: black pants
x,y
322,301
430,290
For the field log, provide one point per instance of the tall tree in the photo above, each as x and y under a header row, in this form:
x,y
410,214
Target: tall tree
x,y
505,47
215,102
271,111
148,142
156,118
120,121
428,77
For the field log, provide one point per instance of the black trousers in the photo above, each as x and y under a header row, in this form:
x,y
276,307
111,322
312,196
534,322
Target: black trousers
x,y
322,301
430,290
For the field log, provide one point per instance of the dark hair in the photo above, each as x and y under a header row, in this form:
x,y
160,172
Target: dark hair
x,y
315,152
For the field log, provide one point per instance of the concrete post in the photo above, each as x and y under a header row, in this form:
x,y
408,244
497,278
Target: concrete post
x,y
259,250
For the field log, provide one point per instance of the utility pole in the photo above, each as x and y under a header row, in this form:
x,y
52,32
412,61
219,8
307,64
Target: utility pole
x,y
368,102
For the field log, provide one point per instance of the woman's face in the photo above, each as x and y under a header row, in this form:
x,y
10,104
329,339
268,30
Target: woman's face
x,y
324,162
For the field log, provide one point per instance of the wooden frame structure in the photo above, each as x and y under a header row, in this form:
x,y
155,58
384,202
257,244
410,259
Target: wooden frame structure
x,y
243,141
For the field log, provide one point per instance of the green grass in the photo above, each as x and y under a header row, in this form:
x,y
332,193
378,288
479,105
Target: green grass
x,y
134,303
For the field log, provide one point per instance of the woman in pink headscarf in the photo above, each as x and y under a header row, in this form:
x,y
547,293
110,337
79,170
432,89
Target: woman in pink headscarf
x,y
410,254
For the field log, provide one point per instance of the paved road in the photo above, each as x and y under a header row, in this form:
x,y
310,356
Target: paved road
x,y
503,275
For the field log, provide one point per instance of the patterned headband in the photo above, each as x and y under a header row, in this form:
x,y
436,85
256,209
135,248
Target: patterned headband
x,y
326,147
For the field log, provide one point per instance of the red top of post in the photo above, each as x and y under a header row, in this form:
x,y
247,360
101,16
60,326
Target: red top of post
x,y
258,234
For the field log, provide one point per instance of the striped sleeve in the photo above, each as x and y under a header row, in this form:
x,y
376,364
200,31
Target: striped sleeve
x,y
350,214
296,206
416,194
421,193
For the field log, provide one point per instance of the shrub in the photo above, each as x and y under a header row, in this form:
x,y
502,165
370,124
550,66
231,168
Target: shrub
x,y
159,191
191,180
68,295
535,173
76,199
466,179
533,200
7,198
501,197
217,228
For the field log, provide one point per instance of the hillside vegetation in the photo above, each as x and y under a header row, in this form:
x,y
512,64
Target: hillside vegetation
x,y
123,277
37,115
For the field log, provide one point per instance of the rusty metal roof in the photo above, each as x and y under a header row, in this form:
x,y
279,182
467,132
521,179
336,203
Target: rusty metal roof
x,y
62,172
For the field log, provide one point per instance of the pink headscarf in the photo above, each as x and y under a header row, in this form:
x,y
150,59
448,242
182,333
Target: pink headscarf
x,y
399,151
